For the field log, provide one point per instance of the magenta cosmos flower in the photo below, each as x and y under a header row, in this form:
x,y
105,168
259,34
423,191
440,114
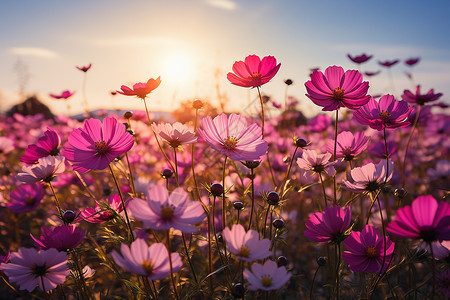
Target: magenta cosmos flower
x,y
97,144
425,219
176,134
412,61
418,98
359,59
232,137
64,237
64,95
253,72
140,89
102,213
388,113
45,146
45,170
162,212
84,68
388,63
246,245
337,88
312,163
329,226
30,268
366,250
152,262
266,277
348,146
368,178
26,198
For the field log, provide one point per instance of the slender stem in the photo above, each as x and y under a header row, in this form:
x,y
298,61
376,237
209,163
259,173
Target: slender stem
x,y
123,202
133,189
253,198
383,227
262,110
176,166
433,270
286,176
371,204
56,200
387,155
265,221
43,287
170,263
334,154
84,183
338,264
211,286
223,195
416,119
194,177
271,170
323,190
312,283
80,276
188,258
84,93
8,284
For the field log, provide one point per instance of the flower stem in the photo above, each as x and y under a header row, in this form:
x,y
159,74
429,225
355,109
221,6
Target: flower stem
x,y
433,270
338,264
176,166
123,203
188,258
223,195
416,119
312,283
262,110
286,176
334,154
170,264
265,221
56,201
194,177
133,189
323,191
253,198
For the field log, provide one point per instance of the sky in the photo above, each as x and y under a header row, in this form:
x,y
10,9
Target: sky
x,y
193,44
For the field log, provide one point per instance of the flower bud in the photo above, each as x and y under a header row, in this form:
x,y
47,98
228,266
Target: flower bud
x,y
278,223
273,198
282,261
128,115
400,193
166,173
322,261
238,290
288,81
302,143
216,189
197,104
251,164
238,205
69,216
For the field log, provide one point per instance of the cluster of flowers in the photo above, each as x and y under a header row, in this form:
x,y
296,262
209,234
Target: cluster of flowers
x,y
143,218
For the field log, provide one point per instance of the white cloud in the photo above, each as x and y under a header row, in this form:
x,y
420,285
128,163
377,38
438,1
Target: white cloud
x,y
33,51
223,4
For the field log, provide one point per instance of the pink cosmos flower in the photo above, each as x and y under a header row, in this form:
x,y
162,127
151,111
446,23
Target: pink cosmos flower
x,y
312,163
388,63
140,89
45,146
389,113
100,213
246,245
162,212
348,145
64,237
29,268
418,98
359,59
369,177
6,144
370,74
266,277
337,88
96,145
319,123
152,262
45,170
85,68
366,250
253,72
232,137
412,61
64,95
328,226
425,219
176,134
26,198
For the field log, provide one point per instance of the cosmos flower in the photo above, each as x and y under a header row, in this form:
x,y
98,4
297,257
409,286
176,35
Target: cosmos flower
x,y
388,113
162,212
365,250
253,72
100,214
85,68
328,226
368,178
246,245
152,262
64,95
6,145
319,123
46,145
418,98
96,145
348,146
388,63
311,162
266,277
140,89
232,137
45,170
425,219
26,198
64,237
176,134
370,74
337,88
412,61
359,59
30,268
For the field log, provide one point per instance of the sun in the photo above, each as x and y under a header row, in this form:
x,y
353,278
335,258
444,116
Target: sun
x,y
178,67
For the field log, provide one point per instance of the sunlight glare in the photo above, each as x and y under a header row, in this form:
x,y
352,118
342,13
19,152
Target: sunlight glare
x,y
178,67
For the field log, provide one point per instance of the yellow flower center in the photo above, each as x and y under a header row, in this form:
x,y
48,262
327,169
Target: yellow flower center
x,y
230,143
245,252
101,147
371,252
266,281
338,94
148,266
256,75
167,213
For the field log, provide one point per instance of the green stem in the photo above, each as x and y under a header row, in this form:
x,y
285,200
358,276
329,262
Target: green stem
x,y
223,195
416,119
56,201
170,264
133,189
334,154
188,258
323,191
312,283
253,199
176,166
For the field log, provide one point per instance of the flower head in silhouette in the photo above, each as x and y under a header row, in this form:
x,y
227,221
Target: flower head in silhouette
x,y
84,68
418,98
64,95
412,61
359,59
388,63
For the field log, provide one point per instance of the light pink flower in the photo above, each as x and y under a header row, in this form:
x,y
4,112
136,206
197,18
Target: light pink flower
x,y
246,245
162,212
253,72
45,170
176,134
232,137
368,177
152,262
266,277
6,144
312,163
28,266
348,146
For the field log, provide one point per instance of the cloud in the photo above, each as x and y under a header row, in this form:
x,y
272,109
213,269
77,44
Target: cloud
x,y
133,41
33,51
223,4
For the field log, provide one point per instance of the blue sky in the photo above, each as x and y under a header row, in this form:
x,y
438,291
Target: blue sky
x,y
132,41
